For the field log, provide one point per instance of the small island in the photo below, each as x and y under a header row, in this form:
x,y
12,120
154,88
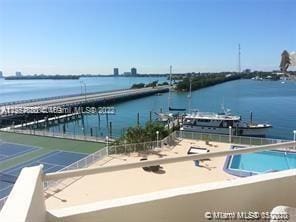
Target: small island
x,y
199,81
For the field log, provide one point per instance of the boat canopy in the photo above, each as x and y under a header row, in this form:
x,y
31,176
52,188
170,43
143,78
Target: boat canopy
x,y
213,116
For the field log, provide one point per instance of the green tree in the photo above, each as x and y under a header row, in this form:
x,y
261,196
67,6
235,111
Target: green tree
x,y
139,134
152,127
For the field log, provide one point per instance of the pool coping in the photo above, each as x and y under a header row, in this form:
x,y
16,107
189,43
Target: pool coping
x,y
237,173
240,173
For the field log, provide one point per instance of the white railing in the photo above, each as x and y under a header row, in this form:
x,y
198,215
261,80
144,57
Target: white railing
x,y
225,138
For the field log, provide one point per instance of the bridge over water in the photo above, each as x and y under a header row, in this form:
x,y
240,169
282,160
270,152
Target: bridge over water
x,y
21,111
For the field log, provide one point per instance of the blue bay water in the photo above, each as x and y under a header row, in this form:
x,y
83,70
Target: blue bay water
x,y
270,102
14,90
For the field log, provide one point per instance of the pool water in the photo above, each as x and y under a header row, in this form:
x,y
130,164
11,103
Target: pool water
x,y
262,162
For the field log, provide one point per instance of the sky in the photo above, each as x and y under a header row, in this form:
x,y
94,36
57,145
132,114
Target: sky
x,y
95,36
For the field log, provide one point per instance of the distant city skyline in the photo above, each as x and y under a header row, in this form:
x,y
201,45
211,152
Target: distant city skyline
x,y
93,37
18,74
115,71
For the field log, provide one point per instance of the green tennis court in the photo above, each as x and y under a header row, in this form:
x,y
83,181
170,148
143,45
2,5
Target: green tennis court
x,y
46,145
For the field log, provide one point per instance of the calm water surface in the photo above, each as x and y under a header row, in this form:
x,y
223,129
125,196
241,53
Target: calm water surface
x,y
270,102
14,90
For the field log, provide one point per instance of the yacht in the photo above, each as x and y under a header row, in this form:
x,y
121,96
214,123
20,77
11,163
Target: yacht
x,y
222,123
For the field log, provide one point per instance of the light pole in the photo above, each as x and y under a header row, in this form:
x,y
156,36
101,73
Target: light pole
x,y
107,140
157,137
294,132
230,133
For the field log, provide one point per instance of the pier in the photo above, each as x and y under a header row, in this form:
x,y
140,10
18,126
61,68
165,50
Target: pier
x,y
69,102
46,121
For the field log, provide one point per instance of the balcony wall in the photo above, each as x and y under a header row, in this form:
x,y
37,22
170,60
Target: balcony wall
x,y
26,201
256,193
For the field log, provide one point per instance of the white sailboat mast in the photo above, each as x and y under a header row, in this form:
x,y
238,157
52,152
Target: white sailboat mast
x,y
189,95
169,98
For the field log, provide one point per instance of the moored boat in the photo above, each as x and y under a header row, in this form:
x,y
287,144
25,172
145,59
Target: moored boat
x,y
222,123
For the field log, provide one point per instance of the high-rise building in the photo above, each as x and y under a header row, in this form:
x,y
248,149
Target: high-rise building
x,y
18,74
115,71
1,74
133,71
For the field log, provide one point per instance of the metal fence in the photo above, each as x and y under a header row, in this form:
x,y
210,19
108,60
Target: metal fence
x,y
170,140
227,139
135,147
167,142
82,163
59,135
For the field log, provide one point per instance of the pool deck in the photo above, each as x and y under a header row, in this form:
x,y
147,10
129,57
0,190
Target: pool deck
x,y
106,186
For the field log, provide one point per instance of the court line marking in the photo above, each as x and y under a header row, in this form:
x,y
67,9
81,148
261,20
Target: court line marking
x,y
50,154
52,165
2,154
66,151
20,153
56,152
20,144
18,156
35,149
30,161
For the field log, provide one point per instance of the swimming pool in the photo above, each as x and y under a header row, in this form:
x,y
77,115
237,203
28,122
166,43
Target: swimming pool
x,y
260,162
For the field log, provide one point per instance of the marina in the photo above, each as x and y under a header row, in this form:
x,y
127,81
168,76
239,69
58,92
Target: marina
x,y
147,111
